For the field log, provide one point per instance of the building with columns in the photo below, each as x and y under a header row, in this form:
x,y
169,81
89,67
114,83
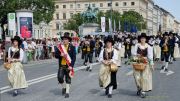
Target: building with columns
x,y
155,16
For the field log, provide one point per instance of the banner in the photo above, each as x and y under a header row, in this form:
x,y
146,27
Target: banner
x,y
103,24
26,27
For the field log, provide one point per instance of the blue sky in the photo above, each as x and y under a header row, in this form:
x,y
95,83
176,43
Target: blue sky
x,y
172,6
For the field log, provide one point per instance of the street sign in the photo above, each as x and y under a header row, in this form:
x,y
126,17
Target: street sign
x,y
11,22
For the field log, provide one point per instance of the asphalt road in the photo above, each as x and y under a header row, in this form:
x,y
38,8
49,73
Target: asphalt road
x,y
85,85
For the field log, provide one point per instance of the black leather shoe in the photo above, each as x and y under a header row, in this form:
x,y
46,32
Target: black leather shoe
x,y
66,95
107,91
63,91
15,93
109,96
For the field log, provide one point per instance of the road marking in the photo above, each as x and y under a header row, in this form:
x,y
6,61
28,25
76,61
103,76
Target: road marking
x,y
41,79
169,73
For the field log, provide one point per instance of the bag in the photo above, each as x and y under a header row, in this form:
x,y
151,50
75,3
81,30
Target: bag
x,y
7,65
113,67
139,66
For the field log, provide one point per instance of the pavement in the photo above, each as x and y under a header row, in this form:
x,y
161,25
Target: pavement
x,y
43,85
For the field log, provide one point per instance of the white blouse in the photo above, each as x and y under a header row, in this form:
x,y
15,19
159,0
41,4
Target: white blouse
x,y
149,51
13,49
114,58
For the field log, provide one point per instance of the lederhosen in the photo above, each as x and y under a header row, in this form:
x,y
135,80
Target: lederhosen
x,y
113,74
63,72
98,49
165,54
88,54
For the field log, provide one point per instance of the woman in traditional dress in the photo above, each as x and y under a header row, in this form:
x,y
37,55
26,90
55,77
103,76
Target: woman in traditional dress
x,y
16,74
157,49
176,49
118,46
108,57
143,78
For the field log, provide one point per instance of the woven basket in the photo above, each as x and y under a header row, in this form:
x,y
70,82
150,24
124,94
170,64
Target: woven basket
x,y
139,66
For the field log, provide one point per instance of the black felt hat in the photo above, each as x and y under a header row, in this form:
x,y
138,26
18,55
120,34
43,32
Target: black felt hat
x,y
18,39
66,36
109,39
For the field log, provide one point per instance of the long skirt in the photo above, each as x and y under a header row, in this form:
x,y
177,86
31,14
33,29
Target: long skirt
x,y
16,76
176,51
106,77
157,51
122,51
143,79
119,58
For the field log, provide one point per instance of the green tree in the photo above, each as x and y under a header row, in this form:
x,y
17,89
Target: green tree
x,y
43,10
132,18
74,22
116,16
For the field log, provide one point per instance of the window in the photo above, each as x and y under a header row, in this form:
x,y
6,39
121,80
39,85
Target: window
x,y
64,6
57,26
57,16
109,4
57,6
64,15
93,5
101,4
124,12
71,6
86,5
132,3
117,4
78,5
71,14
124,3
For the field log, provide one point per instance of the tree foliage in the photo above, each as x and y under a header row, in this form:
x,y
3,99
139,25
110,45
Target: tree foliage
x,y
132,18
129,19
42,9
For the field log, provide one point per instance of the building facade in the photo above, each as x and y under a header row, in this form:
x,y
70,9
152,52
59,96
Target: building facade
x,y
154,16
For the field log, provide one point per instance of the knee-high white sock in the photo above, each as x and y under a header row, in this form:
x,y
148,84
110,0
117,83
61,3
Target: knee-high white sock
x,y
166,65
67,88
64,85
110,89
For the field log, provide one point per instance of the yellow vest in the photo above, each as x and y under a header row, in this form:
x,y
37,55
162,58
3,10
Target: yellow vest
x,y
63,61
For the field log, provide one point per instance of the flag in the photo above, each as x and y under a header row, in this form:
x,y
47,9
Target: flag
x,y
119,25
114,25
103,24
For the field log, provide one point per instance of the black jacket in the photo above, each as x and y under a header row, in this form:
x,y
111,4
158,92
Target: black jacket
x,y
71,52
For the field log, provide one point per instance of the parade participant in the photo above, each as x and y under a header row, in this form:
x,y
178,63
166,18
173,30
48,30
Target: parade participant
x,y
143,78
16,74
157,49
25,48
165,52
107,75
171,47
118,46
176,48
89,49
98,47
127,45
64,70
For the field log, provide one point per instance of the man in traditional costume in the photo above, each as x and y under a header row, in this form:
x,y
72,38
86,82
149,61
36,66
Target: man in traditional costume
x,y
165,52
65,69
